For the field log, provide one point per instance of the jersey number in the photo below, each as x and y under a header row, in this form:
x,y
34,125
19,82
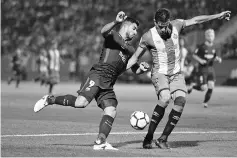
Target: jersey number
x,y
92,83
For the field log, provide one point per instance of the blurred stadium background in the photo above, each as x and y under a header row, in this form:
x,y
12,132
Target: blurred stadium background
x,y
30,25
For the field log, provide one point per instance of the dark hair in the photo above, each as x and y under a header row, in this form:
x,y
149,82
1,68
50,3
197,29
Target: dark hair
x,y
162,15
132,20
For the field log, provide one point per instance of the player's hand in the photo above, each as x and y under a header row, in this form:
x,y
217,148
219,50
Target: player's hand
x,y
121,16
202,62
225,15
144,66
218,59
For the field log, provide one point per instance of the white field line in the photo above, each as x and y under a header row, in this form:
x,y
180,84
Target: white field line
x,y
116,133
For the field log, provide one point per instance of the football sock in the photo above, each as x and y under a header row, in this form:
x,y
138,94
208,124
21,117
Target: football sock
x,y
17,81
105,127
173,120
67,100
157,115
208,95
50,88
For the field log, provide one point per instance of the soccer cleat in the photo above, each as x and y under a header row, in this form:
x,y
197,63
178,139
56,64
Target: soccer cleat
x,y
205,105
147,144
162,144
42,103
103,146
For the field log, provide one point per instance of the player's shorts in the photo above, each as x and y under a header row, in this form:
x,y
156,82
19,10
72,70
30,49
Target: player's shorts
x,y
172,83
17,70
206,74
54,77
44,75
91,89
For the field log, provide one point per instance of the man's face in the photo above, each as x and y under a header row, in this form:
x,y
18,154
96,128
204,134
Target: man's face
x,y
210,36
131,31
164,29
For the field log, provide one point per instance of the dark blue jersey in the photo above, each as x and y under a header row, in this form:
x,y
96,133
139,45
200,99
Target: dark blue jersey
x,y
113,59
207,53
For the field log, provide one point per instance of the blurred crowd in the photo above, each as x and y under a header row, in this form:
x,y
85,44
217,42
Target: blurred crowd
x,y
75,24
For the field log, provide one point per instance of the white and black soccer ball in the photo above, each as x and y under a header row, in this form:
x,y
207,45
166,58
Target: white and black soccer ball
x,y
139,120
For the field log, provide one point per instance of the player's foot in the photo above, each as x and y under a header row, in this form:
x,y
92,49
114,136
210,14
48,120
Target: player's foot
x,y
103,146
147,144
162,144
42,103
205,105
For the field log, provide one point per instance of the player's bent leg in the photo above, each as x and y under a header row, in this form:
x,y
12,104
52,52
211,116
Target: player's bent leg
x,y
65,100
174,116
210,85
158,113
109,107
164,97
81,102
203,87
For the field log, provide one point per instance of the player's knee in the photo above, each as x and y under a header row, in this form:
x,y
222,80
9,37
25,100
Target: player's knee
x,y
165,99
109,107
179,103
211,85
204,87
111,111
81,102
165,96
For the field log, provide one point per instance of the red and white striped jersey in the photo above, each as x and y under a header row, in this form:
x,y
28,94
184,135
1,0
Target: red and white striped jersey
x,y
54,59
165,54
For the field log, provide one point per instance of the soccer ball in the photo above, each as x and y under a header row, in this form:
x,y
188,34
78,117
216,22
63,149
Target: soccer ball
x,y
139,120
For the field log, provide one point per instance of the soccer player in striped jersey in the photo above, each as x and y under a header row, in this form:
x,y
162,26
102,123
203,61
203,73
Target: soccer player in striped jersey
x,y
54,66
42,65
162,41
103,75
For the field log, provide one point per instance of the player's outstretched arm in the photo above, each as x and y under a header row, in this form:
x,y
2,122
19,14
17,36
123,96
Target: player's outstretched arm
x,y
204,18
135,57
108,27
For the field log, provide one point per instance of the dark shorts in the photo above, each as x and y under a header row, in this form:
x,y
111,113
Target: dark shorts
x,y
206,74
17,70
91,89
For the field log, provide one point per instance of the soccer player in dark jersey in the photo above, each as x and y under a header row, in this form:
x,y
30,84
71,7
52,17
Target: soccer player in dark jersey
x,y
17,67
205,55
162,41
102,77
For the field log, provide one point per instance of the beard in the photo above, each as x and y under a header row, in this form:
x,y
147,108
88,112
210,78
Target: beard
x,y
167,33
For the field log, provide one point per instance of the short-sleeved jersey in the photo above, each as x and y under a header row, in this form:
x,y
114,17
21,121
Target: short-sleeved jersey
x,y
113,59
207,53
165,53
16,60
